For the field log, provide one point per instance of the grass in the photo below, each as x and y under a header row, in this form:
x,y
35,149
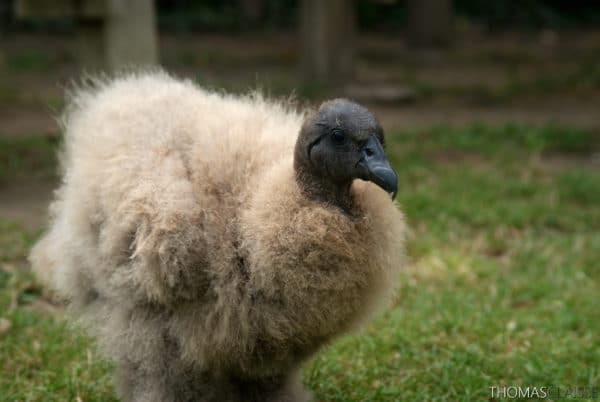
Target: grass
x,y
30,156
501,284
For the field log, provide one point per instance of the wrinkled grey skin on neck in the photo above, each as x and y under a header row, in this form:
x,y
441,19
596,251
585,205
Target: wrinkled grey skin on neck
x,y
325,168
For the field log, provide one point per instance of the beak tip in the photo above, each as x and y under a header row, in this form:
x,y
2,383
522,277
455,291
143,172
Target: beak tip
x,y
387,179
377,169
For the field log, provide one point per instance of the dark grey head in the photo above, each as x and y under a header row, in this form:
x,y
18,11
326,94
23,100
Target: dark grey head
x,y
341,142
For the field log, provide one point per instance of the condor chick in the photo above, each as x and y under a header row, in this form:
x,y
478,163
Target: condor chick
x,y
212,243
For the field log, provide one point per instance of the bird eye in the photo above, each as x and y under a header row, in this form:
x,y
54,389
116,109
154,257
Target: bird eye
x,y
338,136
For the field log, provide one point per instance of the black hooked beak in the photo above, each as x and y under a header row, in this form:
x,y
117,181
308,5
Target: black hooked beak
x,y
376,168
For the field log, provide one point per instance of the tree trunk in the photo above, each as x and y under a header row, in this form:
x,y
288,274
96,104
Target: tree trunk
x,y
130,33
327,33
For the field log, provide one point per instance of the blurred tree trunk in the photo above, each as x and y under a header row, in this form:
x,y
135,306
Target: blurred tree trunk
x,y
130,33
327,34
430,22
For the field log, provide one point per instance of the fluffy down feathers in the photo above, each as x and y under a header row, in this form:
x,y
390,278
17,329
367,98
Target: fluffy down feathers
x,y
182,239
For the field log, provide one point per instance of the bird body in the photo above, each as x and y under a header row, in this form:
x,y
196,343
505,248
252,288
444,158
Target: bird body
x,y
185,239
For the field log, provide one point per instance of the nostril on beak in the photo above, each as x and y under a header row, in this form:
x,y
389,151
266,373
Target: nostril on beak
x,y
376,167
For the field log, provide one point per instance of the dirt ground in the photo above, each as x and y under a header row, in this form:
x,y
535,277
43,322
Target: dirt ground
x,y
26,202
534,79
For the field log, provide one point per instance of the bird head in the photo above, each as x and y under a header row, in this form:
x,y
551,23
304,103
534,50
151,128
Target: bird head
x,y
341,142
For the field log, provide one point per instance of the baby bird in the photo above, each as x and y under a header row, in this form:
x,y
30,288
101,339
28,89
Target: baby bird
x,y
212,243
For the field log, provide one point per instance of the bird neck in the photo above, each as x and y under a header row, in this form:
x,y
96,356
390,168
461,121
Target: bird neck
x,y
318,188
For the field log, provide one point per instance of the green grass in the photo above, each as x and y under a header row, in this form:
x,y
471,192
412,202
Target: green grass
x,y
41,357
27,157
501,285
36,61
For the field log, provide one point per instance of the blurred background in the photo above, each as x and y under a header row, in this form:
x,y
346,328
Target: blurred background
x,y
415,62
492,110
